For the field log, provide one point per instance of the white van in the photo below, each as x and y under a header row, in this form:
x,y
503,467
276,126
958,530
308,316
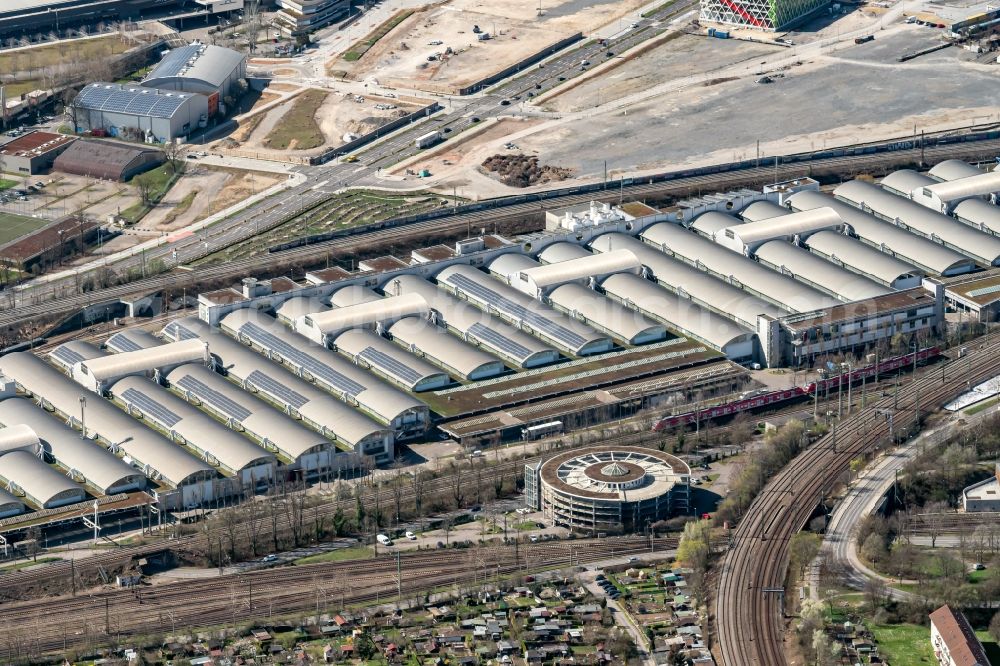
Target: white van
x,y
384,540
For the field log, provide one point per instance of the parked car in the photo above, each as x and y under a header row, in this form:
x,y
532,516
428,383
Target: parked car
x,y
411,536
384,540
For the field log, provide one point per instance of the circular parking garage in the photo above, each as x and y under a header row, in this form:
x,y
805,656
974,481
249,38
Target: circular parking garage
x,y
619,489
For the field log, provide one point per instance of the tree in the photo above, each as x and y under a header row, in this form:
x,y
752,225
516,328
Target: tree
x,y
144,184
876,593
803,550
873,548
934,519
995,627
172,151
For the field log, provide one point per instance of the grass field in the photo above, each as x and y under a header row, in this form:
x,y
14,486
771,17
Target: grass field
x,y
65,52
14,226
7,184
339,555
299,124
904,644
990,645
985,404
25,565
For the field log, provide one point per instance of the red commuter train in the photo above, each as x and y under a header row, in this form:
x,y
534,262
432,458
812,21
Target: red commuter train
x,y
774,397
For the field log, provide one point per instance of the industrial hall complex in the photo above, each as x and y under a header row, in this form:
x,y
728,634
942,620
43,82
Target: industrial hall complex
x,y
180,94
609,312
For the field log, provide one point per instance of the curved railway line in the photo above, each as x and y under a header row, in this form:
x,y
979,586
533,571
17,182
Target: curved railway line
x,y
749,621
399,235
45,626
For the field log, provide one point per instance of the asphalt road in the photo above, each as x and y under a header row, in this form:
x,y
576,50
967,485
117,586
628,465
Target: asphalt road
x,y
840,546
323,181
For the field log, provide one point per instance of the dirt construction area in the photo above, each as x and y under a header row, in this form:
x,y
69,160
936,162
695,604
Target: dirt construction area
x,y
458,164
682,56
336,115
804,109
415,54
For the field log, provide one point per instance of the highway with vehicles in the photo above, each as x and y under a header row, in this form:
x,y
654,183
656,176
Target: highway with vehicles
x,y
323,181
749,605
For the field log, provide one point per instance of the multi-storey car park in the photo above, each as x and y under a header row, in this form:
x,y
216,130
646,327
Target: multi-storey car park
x,y
608,312
608,489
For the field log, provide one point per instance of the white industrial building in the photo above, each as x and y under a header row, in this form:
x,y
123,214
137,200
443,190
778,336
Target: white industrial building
x,y
205,69
474,326
220,447
916,250
97,374
921,221
945,195
747,237
23,472
163,462
573,290
79,458
817,270
324,326
459,359
984,495
138,112
406,415
732,265
369,350
291,389
522,311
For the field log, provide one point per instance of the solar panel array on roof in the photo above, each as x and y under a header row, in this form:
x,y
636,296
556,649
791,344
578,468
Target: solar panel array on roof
x,y
213,398
179,332
137,101
177,59
492,298
151,408
67,356
276,389
983,291
317,369
390,365
498,341
122,343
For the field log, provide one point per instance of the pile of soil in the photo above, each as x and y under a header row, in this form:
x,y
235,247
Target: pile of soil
x,y
524,170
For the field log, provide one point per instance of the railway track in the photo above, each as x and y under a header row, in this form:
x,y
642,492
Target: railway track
x,y
58,575
951,523
46,626
749,602
483,218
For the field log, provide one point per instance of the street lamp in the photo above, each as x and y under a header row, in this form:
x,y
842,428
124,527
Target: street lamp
x,y
83,417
